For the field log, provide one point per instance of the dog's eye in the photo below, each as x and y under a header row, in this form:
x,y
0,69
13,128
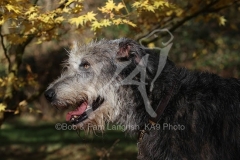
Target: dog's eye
x,y
84,65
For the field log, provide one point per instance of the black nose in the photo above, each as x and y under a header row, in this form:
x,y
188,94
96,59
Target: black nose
x,y
50,95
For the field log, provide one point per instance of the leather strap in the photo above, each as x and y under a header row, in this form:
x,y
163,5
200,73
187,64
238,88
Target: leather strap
x,y
160,109
162,105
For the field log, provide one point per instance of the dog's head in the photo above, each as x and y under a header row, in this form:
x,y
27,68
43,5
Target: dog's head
x,y
94,82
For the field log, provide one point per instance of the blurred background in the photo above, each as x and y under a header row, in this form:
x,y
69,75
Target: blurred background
x,y
35,36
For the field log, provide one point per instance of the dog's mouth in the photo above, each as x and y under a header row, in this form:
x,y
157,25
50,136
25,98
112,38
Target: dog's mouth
x,y
83,110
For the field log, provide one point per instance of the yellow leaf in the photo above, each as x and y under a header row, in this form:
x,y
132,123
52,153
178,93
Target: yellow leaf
x,y
150,8
2,107
59,19
66,10
23,103
119,6
31,10
96,25
81,20
110,5
117,21
129,23
158,4
2,21
145,5
17,111
78,21
39,41
179,12
33,16
13,8
222,21
105,23
77,9
136,4
90,16
167,4
169,13
3,82
45,18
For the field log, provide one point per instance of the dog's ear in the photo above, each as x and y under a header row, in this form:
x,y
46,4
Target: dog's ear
x,y
129,50
124,51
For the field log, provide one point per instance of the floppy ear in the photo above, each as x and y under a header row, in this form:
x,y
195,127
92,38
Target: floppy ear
x,y
129,50
124,52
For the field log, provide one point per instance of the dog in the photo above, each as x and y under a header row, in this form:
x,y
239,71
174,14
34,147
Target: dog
x,y
176,113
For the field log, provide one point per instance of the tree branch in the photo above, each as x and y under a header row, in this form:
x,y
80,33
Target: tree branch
x,y
223,7
5,49
180,23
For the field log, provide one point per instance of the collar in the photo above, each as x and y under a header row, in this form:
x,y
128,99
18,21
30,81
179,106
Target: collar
x,y
162,105
159,110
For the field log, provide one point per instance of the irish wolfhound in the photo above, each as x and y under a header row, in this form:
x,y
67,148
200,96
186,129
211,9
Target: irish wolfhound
x,y
178,114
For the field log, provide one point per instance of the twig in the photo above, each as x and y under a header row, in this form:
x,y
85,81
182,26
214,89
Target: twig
x,y
125,7
9,110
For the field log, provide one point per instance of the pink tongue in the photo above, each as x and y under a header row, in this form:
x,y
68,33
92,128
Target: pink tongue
x,y
77,112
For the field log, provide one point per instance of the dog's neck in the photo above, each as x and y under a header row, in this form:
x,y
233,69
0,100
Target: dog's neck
x,y
163,104
138,117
